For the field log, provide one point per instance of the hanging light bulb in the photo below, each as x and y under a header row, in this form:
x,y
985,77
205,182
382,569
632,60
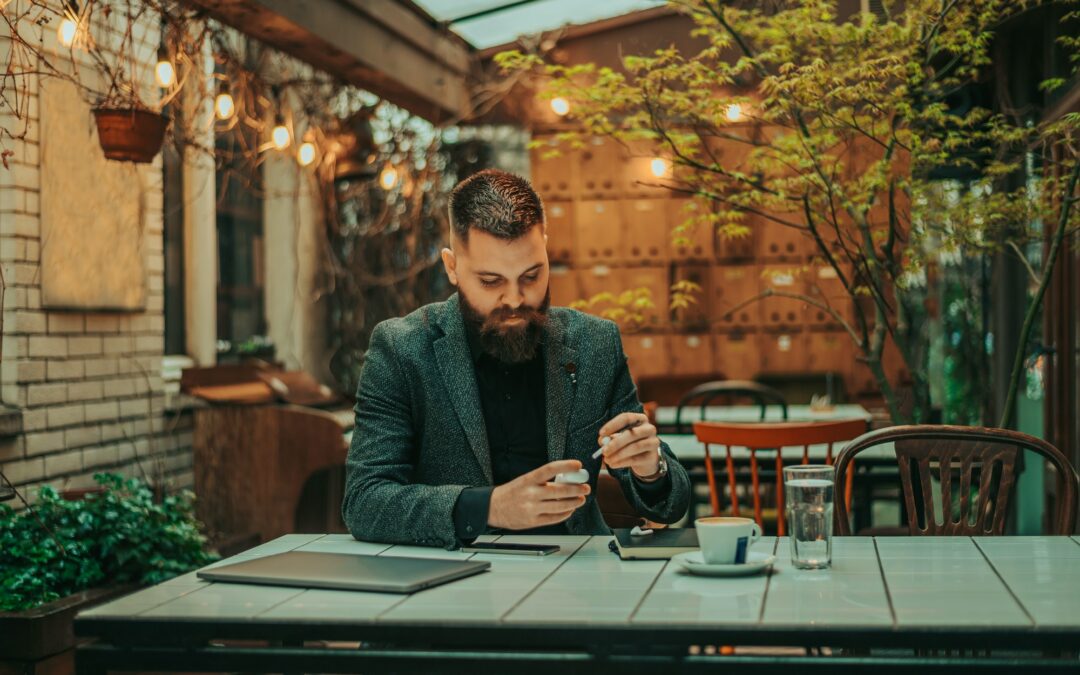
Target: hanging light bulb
x,y
280,135
659,167
305,154
69,28
560,105
733,112
224,107
164,70
388,178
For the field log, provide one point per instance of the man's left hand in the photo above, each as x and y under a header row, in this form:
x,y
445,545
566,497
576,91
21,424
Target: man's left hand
x,y
636,448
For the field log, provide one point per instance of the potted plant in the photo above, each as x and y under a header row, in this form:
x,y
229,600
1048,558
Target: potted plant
x,y
60,556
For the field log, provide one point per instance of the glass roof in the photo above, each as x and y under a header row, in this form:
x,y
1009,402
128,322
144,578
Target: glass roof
x,y
523,17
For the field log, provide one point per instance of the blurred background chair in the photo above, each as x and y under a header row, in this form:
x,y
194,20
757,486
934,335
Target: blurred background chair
x,y
728,390
770,436
974,469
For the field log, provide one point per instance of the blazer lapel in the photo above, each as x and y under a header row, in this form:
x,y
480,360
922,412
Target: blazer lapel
x,y
560,378
455,364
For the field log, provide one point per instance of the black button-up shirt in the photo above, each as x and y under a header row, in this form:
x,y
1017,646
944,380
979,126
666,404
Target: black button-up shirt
x,y
513,398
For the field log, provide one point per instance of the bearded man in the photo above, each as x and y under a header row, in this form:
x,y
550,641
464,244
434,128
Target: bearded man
x,y
467,409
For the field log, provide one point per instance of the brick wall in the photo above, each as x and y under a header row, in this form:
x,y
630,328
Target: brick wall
x,y
88,383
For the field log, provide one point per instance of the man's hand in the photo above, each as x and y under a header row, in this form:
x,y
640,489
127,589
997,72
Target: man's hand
x,y
637,448
531,500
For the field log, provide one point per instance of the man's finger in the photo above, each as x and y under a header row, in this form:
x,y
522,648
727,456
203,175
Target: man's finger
x,y
623,438
555,506
621,420
563,490
625,454
547,472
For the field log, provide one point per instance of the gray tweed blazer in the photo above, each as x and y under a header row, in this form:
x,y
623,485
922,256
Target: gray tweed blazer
x,y
420,437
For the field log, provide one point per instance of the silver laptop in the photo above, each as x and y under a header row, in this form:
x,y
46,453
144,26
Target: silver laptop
x,y
345,572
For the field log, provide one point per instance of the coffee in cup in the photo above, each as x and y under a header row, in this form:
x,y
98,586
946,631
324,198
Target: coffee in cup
x,y
726,540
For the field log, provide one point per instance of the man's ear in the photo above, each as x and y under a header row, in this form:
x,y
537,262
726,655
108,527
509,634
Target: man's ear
x,y
449,261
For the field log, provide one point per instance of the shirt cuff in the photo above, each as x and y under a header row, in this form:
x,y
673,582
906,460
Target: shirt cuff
x,y
655,492
471,513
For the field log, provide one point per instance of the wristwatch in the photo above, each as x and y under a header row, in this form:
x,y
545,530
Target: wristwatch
x,y
661,469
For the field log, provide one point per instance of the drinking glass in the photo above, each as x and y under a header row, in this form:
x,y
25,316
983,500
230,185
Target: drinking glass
x,y
808,494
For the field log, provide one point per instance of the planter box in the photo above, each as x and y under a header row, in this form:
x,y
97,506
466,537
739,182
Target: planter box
x,y
37,633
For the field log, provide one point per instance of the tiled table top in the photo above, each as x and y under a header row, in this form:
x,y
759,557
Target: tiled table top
x,y
900,583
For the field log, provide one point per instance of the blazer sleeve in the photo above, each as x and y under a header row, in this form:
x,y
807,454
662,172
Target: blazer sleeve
x,y
381,502
657,508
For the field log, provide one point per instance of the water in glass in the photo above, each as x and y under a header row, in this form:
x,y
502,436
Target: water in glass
x,y
809,496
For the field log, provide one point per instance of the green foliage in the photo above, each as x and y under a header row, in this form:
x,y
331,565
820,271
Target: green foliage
x,y
121,535
842,128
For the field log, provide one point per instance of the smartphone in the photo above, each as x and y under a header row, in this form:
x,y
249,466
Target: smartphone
x,y
513,549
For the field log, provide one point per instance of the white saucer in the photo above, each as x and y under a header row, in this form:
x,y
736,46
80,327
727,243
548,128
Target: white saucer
x,y
693,563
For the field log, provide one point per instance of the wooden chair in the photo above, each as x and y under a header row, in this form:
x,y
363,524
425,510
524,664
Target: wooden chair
x,y
970,455
770,437
710,391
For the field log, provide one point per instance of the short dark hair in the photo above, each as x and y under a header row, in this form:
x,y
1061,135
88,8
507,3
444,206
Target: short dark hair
x,y
497,202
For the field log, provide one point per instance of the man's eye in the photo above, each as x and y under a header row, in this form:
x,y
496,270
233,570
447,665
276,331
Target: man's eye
x,y
489,282
531,278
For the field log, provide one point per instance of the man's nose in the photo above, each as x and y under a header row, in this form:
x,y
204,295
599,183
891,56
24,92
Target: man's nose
x,y
514,298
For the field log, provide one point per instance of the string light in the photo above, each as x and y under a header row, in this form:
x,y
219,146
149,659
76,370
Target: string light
x,y
280,135
733,112
659,167
560,105
305,155
67,31
223,104
388,178
164,71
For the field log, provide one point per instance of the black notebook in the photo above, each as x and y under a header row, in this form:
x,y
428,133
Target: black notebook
x,y
660,545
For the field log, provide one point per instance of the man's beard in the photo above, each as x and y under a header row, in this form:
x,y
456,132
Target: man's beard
x,y
509,343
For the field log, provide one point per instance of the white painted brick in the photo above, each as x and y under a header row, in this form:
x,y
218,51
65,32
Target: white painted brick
x,y
104,411
80,437
26,322
73,369
23,224
15,298
66,416
48,346
66,323
84,391
63,463
34,419
33,203
13,394
102,323
33,251
120,387
133,407
121,344
46,394
112,432
12,249
42,442
104,455
149,344
84,346
22,371
101,367
33,298
14,346
25,471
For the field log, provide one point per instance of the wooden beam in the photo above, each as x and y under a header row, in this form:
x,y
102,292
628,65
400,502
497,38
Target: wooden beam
x,y
382,46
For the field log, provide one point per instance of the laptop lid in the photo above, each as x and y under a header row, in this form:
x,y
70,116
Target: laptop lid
x,y
343,571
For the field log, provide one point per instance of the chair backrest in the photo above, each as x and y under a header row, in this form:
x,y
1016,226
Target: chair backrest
x,y
614,507
969,456
770,436
710,391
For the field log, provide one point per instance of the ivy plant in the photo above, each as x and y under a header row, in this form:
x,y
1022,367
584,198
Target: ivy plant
x,y
119,535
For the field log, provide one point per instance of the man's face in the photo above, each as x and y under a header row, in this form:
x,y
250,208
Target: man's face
x,y
504,290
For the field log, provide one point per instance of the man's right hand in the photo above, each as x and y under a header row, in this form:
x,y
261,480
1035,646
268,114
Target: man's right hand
x,y
532,500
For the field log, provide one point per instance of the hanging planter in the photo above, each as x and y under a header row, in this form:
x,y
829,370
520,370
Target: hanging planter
x,y
130,134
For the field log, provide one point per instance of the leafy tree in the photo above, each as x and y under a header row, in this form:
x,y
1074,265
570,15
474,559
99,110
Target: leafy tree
x,y
843,128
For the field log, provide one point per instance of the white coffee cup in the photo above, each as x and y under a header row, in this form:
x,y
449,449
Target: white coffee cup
x,y
726,540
